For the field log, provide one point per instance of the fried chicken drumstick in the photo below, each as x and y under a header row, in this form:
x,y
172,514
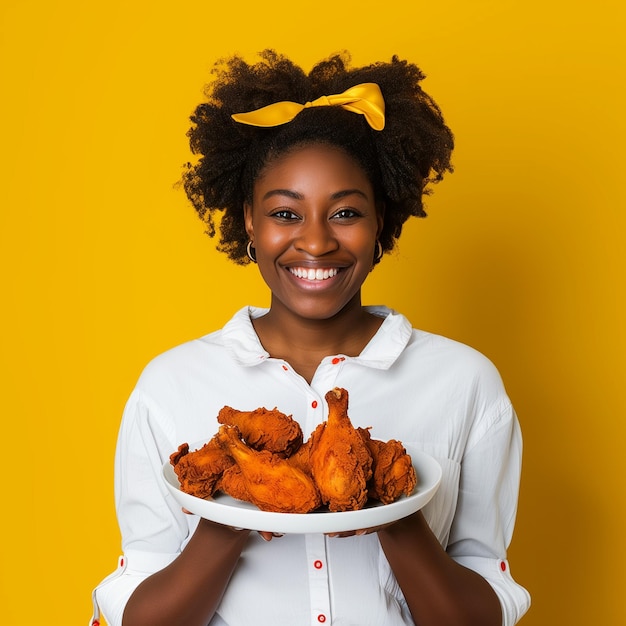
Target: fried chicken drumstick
x,y
264,430
339,457
233,484
199,471
393,473
270,482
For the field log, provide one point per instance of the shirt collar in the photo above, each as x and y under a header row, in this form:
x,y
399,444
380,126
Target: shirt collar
x,y
381,352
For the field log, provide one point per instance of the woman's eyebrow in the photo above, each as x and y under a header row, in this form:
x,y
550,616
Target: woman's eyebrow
x,y
296,195
348,192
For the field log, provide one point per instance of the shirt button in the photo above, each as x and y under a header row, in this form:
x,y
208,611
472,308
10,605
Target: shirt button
x,y
314,404
321,618
318,564
338,359
503,566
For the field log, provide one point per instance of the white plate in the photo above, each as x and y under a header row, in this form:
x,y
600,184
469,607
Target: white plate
x,y
226,510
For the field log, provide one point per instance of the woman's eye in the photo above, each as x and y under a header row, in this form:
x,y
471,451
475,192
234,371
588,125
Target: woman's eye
x,y
346,214
285,214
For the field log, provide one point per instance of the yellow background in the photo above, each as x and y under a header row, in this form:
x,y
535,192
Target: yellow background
x,y
104,263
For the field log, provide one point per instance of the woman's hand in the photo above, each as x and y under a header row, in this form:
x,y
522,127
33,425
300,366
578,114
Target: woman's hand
x,y
269,536
360,532
266,535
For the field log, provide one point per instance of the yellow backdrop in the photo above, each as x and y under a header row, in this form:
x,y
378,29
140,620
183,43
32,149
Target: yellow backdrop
x,y
105,265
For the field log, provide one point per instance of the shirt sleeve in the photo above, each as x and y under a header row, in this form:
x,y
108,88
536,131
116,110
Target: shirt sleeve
x,y
486,510
152,525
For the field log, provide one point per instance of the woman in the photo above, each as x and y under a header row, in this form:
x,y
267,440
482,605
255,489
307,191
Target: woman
x,y
315,175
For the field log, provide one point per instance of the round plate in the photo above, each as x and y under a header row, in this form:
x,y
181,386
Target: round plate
x,y
226,510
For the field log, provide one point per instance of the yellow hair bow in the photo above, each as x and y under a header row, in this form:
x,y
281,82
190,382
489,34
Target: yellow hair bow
x,y
365,99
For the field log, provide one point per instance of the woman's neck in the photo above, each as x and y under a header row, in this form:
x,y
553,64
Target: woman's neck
x,y
304,342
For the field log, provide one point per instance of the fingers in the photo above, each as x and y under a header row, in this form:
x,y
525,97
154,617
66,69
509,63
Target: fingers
x,y
268,536
356,533
349,533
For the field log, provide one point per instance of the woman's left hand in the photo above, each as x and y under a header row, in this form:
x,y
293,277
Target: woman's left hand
x,y
360,532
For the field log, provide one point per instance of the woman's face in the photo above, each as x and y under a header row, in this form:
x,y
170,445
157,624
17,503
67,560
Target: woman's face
x,y
314,223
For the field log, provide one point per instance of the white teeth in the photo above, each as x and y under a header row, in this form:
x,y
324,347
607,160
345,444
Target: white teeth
x,y
312,274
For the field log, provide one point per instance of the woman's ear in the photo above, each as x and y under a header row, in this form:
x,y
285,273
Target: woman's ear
x,y
380,213
247,218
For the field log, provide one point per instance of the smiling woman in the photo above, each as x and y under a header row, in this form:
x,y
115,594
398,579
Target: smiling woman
x,y
315,175
314,224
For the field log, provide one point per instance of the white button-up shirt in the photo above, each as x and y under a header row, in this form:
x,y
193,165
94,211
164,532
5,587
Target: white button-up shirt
x,y
425,390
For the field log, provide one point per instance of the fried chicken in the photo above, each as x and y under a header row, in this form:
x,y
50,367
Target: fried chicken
x,y
270,481
259,456
199,471
393,473
340,460
264,430
232,483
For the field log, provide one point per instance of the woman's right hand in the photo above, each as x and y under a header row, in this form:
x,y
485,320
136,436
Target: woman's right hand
x,y
266,535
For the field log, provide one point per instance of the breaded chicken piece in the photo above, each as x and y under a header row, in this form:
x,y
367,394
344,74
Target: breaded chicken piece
x,y
301,458
264,430
339,458
393,473
199,471
233,484
270,481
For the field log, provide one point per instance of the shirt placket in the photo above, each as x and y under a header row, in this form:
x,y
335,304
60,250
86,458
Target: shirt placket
x,y
319,584
324,380
317,559
328,371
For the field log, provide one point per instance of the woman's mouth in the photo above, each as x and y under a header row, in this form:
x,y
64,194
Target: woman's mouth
x,y
307,273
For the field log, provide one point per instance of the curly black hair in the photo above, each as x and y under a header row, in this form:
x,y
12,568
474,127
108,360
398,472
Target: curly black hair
x,y
413,149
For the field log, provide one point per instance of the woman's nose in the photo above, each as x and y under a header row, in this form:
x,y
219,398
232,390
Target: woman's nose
x,y
315,237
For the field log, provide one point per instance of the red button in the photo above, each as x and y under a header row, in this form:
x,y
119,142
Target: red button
x,y
314,404
285,367
503,566
321,618
318,565
338,359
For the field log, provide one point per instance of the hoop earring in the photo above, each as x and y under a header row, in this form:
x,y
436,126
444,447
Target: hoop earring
x,y
378,255
250,251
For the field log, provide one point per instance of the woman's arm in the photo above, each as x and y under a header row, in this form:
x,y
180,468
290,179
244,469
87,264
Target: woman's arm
x,y
188,591
439,591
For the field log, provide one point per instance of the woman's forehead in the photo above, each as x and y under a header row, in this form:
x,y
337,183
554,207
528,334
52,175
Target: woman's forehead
x,y
314,164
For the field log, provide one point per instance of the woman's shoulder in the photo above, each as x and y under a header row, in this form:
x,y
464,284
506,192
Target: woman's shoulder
x,y
425,346
427,343
213,350
441,353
